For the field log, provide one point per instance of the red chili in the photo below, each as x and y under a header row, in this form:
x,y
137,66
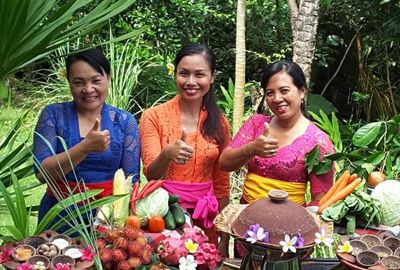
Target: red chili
x,y
152,188
149,184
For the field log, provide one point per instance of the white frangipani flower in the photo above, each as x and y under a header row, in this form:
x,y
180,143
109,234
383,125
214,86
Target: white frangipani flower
x,y
288,244
187,263
323,238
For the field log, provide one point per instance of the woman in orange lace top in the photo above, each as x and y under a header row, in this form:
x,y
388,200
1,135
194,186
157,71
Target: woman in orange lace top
x,y
183,138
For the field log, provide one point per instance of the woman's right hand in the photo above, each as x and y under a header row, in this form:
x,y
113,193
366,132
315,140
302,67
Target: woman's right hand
x,y
97,140
179,152
264,145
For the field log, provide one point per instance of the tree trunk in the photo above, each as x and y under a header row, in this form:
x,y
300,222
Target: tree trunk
x,y
240,65
304,34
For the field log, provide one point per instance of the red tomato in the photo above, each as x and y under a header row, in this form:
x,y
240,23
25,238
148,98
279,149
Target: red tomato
x,y
133,221
156,224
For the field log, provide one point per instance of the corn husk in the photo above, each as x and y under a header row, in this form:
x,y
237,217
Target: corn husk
x,y
121,185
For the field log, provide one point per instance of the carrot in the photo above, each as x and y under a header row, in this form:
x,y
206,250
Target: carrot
x,y
344,177
342,184
353,177
340,195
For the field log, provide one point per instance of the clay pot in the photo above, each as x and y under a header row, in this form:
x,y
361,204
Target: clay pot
x,y
358,246
278,216
367,258
22,253
371,240
391,262
61,241
62,259
39,258
382,251
35,241
392,243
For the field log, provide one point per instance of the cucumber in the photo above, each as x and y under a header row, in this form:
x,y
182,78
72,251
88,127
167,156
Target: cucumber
x,y
173,199
178,213
169,221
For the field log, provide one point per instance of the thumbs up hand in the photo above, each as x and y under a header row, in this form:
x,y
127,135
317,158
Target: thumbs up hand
x,y
264,145
97,140
179,152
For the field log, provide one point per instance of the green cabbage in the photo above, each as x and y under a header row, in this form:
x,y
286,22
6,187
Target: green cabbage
x,y
156,203
388,194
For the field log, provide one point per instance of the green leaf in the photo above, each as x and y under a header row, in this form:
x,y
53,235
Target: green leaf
x,y
376,158
312,158
369,167
366,134
351,224
323,167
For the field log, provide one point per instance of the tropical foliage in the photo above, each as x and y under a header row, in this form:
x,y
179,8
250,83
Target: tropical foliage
x,y
31,29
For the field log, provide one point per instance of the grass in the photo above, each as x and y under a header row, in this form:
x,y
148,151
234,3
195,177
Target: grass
x,y
8,116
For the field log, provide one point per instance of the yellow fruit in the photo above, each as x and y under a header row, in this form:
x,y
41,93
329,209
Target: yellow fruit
x,y
375,178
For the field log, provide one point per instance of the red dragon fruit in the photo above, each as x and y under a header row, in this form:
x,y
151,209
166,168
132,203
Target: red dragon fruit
x,y
171,249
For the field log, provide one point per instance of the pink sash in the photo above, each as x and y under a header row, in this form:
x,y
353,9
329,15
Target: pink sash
x,y
197,196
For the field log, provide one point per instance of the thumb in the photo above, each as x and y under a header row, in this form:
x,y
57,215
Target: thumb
x,y
183,136
266,129
96,126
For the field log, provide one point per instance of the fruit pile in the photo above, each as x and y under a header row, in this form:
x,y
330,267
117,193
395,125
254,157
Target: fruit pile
x,y
124,248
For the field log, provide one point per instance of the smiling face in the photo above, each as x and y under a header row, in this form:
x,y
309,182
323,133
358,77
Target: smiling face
x,y
283,97
193,77
89,87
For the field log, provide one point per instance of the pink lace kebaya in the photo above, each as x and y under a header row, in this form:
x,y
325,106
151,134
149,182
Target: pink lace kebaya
x,y
288,163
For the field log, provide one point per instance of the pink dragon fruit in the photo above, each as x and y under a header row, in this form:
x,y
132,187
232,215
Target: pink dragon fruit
x,y
171,249
196,234
207,256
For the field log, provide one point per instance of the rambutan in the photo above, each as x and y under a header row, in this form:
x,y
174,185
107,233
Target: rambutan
x,y
157,266
106,255
120,242
141,241
108,266
110,235
123,266
146,255
134,262
119,255
101,243
130,233
134,248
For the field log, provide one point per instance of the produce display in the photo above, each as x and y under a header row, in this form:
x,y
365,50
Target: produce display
x,y
344,203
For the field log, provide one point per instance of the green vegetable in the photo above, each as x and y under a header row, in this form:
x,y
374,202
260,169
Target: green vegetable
x,y
178,213
173,199
387,193
156,203
169,221
356,204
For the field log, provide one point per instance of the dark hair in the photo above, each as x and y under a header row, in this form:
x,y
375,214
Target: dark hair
x,y
211,128
291,68
94,57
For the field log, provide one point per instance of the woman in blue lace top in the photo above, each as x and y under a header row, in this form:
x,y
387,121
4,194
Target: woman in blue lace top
x,y
100,138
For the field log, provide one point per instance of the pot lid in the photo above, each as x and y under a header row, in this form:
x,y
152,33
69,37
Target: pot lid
x,y
279,217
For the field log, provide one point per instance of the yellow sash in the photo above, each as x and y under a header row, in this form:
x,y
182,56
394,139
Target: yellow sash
x,y
257,187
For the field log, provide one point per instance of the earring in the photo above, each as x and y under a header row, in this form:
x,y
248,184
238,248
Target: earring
x,y
302,101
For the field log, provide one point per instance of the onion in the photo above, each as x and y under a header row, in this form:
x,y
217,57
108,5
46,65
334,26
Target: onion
x,y
375,178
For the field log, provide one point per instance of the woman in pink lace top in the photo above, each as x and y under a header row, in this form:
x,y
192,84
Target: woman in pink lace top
x,y
274,147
